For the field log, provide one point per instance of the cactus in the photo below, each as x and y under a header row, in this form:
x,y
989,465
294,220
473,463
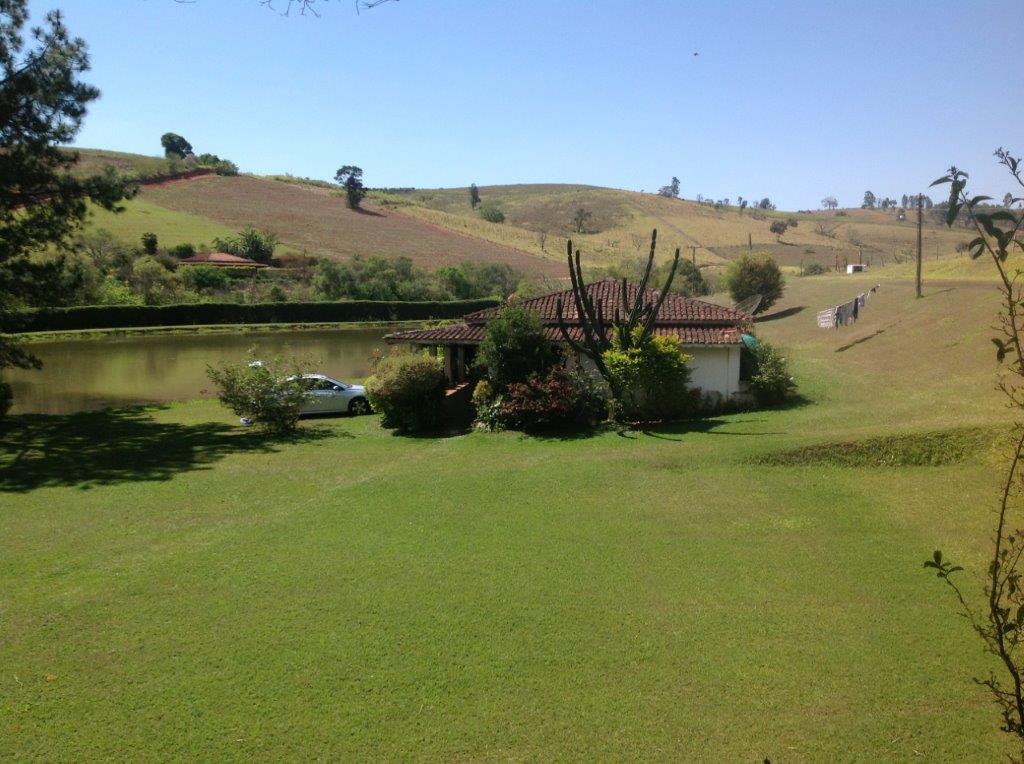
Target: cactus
x,y
595,325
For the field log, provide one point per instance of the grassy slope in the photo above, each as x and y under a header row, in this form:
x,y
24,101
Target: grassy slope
x,y
320,222
93,161
183,589
170,226
624,218
309,217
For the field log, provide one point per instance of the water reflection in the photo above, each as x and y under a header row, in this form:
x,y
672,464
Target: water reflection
x,y
86,374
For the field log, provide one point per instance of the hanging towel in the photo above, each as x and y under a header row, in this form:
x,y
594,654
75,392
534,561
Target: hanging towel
x,y
827,318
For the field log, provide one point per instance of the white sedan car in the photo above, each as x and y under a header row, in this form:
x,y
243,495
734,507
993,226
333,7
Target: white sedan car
x,y
329,396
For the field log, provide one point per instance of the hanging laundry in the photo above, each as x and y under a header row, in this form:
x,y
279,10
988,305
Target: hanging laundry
x,y
827,318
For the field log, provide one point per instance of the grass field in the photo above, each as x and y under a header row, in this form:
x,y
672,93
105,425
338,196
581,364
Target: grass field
x,y
172,586
171,227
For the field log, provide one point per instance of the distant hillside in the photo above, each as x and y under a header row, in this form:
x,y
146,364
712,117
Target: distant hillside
x,y
620,223
437,226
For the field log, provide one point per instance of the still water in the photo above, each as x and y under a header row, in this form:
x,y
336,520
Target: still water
x,y
125,370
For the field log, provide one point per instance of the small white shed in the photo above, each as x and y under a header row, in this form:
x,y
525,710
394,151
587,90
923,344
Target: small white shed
x,y
856,268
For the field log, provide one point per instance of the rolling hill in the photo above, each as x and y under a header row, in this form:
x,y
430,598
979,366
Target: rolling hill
x,y
438,226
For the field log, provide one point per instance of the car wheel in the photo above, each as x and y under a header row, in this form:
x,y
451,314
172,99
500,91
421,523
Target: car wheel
x,y
358,407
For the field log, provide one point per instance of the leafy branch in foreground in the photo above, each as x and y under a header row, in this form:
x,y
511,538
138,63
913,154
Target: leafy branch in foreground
x,y
1000,624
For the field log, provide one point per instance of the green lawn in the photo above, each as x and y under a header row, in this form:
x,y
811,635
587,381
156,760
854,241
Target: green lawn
x,y
171,227
172,586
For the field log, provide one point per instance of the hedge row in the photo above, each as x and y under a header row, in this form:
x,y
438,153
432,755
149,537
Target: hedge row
x,y
124,316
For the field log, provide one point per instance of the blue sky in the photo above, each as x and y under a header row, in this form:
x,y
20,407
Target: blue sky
x,y
789,100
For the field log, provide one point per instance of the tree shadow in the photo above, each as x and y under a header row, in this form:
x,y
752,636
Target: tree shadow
x,y
780,314
675,430
368,213
98,448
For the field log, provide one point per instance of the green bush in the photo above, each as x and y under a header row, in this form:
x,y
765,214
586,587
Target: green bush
x,y
124,316
268,394
204,278
814,269
559,399
408,391
483,394
182,251
771,381
256,245
514,347
491,212
748,275
152,280
149,243
651,380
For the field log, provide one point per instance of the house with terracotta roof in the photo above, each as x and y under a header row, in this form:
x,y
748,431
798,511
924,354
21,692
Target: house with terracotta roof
x,y
222,260
712,334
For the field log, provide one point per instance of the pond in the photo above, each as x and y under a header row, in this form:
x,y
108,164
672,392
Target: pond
x,y
126,370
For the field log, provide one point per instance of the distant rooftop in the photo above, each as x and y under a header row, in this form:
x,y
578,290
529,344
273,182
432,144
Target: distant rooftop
x,y
222,259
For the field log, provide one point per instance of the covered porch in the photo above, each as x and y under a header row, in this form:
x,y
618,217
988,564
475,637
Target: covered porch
x,y
458,358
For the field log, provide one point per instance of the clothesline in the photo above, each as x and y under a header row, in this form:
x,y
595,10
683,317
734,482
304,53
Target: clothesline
x,y
848,312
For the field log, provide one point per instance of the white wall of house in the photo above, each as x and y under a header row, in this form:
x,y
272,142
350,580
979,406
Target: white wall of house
x,y
715,368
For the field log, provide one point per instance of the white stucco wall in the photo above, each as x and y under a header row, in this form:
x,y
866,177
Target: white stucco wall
x,y
715,368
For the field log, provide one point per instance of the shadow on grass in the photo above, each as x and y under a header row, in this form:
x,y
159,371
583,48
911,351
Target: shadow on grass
x,y
117,446
780,314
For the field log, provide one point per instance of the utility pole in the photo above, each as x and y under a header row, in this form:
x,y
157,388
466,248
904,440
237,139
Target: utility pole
x,y
693,252
920,213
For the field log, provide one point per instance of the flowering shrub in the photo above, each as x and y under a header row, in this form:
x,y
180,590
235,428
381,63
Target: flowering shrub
x,y
560,399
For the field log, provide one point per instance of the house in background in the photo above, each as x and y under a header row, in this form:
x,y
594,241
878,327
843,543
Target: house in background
x,y
712,334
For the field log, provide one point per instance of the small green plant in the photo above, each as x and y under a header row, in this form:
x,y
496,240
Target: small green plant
x,y
771,381
814,269
408,391
268,395
490,211
483,394
652,379
149,243
181,251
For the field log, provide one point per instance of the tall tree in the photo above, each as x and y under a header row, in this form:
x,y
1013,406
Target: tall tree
x,y
829,202
869,201
42,105
670,191
474,195
175,145
1008,200
580,219
351,179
